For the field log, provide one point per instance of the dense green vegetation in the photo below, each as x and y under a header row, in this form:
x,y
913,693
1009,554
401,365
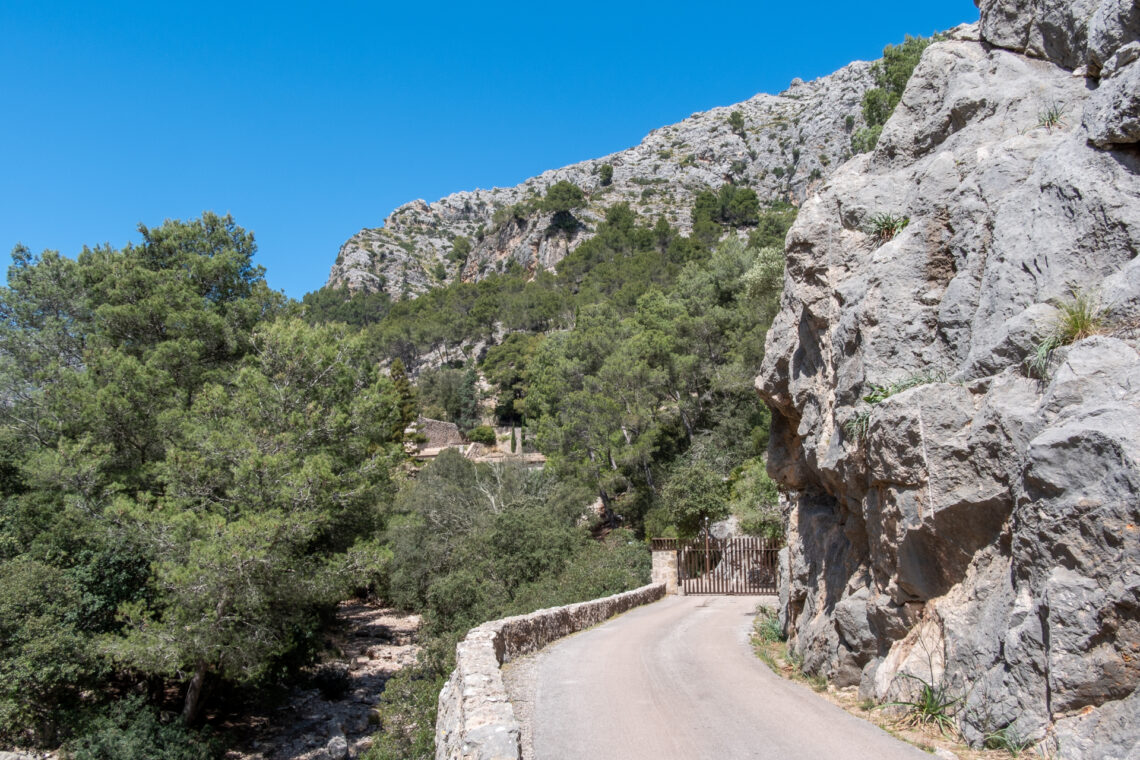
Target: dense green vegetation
x,y
631,368
194,470
190,476
891,75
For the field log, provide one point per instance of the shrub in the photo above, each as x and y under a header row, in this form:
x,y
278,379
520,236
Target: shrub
x,y
460,248
407,712
561,200
45,660
1007,739
131,730
891,76
736,122
482,434
865,140
884,226
563,196
931,705
694,492
768,627
606,174
516,213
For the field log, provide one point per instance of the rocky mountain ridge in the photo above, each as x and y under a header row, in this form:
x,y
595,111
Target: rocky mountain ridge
x,y
787,145
964,468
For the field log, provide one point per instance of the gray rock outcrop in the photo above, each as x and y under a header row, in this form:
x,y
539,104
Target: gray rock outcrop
x,y
980,529
789,143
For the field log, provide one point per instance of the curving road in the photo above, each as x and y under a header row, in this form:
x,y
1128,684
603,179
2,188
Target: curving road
x,y
678,679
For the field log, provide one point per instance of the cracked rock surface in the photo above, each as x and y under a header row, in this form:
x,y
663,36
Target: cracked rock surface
x,y
984,531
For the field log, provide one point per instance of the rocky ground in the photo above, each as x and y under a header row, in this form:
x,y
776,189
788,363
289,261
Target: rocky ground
x,y
374,642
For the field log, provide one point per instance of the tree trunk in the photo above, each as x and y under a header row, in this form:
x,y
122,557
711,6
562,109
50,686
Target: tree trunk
x,y
648,476
193,703
685,421
607,509
628,437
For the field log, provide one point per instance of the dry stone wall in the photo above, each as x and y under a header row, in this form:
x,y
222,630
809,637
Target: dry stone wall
x,y
982,529
475,719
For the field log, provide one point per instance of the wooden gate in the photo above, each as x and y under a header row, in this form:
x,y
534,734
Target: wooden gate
x,y
708,565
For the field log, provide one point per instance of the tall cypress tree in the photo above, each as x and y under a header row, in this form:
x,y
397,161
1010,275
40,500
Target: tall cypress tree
x,y
407,394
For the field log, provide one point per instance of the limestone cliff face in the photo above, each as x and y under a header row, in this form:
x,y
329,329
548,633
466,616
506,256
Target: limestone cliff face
x,y
985,530
789,143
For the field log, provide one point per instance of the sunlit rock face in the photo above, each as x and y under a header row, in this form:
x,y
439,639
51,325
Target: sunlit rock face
x,y
786,146
982,527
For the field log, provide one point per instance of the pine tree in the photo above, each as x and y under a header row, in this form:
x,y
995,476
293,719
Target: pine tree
x,y
407,394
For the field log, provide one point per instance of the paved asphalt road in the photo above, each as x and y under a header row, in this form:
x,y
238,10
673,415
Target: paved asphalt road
x,y
678,680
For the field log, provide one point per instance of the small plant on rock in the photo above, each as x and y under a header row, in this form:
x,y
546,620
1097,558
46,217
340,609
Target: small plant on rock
x,y
885,226
880,393
1008,739
1052,117
931,705
856,428
1080,316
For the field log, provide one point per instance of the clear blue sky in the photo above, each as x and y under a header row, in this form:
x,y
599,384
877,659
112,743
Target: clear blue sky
x,y
308,121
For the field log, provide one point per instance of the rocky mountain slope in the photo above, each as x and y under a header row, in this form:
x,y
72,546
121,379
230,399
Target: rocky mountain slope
x,y
787,145
955,514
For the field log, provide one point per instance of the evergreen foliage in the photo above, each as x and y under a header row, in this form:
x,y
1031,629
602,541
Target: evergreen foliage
x,y
193,471
736,122
891,76
561,199
460,249
339,305
168,430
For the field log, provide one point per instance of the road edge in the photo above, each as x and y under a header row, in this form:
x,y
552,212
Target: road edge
x,y
475,720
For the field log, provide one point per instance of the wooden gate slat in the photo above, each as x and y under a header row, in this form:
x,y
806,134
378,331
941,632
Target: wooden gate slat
x,y
744,565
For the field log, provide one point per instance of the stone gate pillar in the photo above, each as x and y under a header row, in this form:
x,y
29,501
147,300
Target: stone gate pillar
x,y
665,564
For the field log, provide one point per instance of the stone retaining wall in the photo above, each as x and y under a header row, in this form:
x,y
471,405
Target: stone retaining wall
x,y
475,719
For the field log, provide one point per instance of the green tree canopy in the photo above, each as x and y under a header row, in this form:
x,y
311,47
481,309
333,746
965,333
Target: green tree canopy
x,y
891,76
563,196
185,468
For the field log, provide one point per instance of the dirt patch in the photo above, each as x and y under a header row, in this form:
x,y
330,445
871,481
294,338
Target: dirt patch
x,y
337,721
